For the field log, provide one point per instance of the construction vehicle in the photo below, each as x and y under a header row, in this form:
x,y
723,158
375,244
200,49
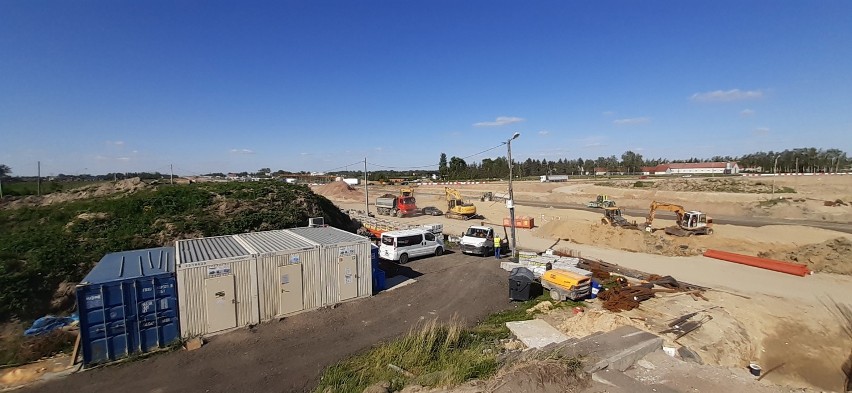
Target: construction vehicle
x,y
566,285
612,216
399,206
688,222
486,197
602,201
457,208
407,192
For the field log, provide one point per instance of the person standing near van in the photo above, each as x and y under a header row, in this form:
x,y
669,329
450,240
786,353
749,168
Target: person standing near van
x,y
497,247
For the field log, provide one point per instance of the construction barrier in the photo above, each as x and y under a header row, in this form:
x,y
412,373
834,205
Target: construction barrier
x,y
763,263
520,222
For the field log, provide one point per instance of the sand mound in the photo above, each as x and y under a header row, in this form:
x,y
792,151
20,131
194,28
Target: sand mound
x,y
85,192
623,239
733,185
832,256
339,190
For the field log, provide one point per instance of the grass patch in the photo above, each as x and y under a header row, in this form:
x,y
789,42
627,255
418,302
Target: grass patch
x,y
434,354
642,184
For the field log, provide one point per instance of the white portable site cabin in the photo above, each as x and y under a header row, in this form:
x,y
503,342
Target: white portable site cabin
x,y
233,281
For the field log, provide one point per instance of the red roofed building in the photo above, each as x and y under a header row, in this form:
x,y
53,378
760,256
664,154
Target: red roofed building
x,y
693,168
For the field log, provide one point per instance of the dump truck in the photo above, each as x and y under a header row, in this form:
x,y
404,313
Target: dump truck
x,y
399,206
563,285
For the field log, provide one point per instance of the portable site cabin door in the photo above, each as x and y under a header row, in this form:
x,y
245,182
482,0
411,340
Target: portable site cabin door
x,y
348,276
290,289
221,303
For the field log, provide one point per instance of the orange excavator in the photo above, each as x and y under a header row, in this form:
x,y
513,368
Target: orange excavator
x,y
688,222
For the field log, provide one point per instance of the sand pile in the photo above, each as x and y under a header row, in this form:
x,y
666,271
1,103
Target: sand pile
x,y
623,239
339,190
703,185
85,192
832,256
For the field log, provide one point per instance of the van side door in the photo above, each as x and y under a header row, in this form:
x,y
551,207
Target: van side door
x,y
430,243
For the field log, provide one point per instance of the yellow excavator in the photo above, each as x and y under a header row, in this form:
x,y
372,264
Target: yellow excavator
x,y
688,222
457,208
407,191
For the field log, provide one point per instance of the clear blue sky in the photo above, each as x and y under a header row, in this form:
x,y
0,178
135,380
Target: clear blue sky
x,y
100,86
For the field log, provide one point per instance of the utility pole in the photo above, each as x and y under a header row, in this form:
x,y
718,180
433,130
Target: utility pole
x,y
38,182
511,202
366,191
774,174
171,174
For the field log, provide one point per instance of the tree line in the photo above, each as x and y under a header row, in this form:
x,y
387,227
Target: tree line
x,y
799,160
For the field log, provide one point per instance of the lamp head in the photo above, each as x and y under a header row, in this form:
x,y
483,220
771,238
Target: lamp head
x,y
517,134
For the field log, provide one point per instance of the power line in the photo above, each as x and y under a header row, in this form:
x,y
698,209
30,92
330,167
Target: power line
x,y
434,165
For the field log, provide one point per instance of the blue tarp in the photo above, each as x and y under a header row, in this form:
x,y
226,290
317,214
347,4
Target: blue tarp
x,y
49,323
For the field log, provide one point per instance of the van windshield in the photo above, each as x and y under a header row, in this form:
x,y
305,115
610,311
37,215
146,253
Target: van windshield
x,y
387,240
476,232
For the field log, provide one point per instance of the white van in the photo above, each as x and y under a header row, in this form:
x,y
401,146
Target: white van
x,y
409,243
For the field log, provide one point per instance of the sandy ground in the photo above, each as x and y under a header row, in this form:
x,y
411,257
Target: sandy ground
x,y
288,356
785,319
806,203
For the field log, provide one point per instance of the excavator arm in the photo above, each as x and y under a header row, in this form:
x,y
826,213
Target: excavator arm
x,y
677,209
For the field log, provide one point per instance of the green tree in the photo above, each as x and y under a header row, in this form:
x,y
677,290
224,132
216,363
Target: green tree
x,y
442,166
457,167
4,170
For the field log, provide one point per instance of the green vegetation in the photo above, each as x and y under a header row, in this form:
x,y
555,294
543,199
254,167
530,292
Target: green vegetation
x,y
43,247
47,187
434,354
640,184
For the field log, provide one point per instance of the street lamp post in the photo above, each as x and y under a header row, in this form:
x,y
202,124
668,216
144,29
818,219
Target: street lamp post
x,y
511,202
774,175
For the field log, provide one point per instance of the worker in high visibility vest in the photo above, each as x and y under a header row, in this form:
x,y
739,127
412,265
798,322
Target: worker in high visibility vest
x,y
497,247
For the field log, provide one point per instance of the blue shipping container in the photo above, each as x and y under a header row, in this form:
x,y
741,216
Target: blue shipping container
x,y
128,304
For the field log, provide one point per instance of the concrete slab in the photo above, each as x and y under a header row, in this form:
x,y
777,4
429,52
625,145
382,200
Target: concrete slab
x,y
398,282
617,349
616,381
508,266
536,333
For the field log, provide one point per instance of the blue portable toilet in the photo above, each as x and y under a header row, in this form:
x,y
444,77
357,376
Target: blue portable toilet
x,y
128,305
378,274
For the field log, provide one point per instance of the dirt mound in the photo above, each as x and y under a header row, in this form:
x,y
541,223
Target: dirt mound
x,y
734,185
832,256
339,190
624,239
98,190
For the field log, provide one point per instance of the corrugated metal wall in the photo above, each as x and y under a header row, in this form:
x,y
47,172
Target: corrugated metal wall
x,y
326,276
268,283
256,276
193,306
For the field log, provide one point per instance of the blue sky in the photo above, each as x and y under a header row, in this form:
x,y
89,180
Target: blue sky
x,y
101,86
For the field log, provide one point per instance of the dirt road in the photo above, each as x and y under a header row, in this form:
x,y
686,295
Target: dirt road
x,y
288,356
